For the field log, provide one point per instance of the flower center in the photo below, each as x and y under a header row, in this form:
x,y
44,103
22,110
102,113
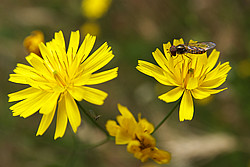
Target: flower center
x,y
59,79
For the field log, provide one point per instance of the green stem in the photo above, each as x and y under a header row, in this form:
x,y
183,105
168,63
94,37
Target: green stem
x,y
164,119
100,143
72,157
92,120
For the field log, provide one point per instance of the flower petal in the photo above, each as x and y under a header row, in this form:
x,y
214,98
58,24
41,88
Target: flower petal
x,y
166,48
50,103
148,68
38,63
73,45
86,47
22,94
91,95
61,120
30,105
192,83
59,38
186,111
98,59
200,94
45,122
212,59
160,156
172,95
214,83
160,59
166,79
178,42
72,111
112,127
125,112
102,77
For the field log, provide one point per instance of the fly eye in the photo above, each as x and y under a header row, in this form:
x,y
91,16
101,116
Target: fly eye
x,y
173,50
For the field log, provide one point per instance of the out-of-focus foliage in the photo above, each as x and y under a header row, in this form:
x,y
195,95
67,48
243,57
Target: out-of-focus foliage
x,y
217,136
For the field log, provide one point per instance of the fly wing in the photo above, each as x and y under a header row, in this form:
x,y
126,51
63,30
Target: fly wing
x,y
203,45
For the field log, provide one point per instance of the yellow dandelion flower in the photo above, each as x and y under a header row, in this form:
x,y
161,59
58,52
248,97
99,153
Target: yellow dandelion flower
x,y
137,136
95,9
59,78
193,75
32,41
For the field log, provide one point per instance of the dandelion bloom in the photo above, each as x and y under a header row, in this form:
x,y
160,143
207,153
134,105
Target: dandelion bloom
x,y
59,78
193,75
137,136
32,41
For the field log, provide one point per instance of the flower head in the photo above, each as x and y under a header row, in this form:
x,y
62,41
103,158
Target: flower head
x,y
137,135
59,78
193,75
32,41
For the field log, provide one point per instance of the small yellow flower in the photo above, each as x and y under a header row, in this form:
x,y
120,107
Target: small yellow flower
x,y
137,136
193,75
31,42
90,27
59,78
95,9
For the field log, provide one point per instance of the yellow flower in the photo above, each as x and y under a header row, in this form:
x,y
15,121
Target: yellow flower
x,y
95,9
193,75
31,42
137,136
59,78
144,148
90,27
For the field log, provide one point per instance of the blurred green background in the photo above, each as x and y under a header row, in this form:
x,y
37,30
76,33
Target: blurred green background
x,y
217,136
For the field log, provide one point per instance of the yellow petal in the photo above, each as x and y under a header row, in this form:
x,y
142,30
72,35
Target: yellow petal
x,y
211,91
160,156
47,55
160,59
214,83
172,95
133,146
123,137
148,68
22,94
98,59
73,45
91,95
112,127
124,111
102,77
61,119
192,83
166,48
38,63
17,78
82,79
212,59
45,122
166,79
186,111
59,38
144,126
200,94
50,103
178,42
72,112
86,47
30,105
